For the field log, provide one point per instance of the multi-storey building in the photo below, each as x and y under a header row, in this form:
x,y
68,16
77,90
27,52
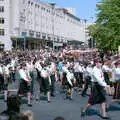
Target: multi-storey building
x,y
28,23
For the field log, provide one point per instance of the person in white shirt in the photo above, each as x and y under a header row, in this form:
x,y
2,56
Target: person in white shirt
x,y
46,80
1,77
76,73
107,71
6,75
52,76
88,79
97,93
25,83
69,81
116,95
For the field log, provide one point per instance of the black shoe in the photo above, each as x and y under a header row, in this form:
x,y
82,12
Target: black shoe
x,y
49,101
83,113
107,109
70,99
83,95
52,95
5,100
67,97
37,99
29,105
105,117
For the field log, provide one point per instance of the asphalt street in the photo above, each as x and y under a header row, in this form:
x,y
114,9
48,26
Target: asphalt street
x,y
59,106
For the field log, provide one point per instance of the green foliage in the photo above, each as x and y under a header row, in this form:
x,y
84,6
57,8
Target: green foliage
x,y
106,31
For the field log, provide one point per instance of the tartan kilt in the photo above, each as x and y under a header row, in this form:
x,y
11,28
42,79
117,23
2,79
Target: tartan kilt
x,y
45,85
24,87
116,90
97,95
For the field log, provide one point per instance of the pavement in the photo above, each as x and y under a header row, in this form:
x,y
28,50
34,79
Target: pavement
x,y
69,109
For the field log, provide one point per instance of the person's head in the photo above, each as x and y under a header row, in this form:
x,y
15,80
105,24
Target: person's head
x,y
19,117
13,103
98,63
59,118
117,64
29,114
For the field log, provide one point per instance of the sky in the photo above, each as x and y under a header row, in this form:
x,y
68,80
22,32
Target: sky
x,y
85,9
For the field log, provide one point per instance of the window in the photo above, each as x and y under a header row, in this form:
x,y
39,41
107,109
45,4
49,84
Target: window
x,y
28,2
31,3
2,32
2,20
1,8
23,1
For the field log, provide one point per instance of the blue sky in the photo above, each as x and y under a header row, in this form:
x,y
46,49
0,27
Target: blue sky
x,y
85,9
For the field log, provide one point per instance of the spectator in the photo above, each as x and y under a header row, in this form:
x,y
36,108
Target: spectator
x,y
13,106
29,114
19,117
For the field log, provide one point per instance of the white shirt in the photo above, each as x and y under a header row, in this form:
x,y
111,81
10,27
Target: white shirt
x,y
98,76
29,66
44,73
117,73
38,66
105,68
23,75
52,68
6,70
1,70
70,76
76,67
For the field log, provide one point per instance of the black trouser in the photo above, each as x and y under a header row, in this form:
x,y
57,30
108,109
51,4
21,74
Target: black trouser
x,y
52,84
87,83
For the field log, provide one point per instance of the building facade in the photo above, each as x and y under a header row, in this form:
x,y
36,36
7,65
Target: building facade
x,y
22,21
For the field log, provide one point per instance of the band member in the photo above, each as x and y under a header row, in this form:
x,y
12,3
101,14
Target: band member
x,y
60,70
116,96
46,81
106,70
97,93
30,69
6,74
1,77
25,83
77,73
88,79
38,66
69,81
53,78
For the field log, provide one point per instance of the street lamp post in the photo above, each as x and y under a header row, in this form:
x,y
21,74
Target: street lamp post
x,y
85,21
53,7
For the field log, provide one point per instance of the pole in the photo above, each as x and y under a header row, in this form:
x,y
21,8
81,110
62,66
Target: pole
x,y
16,44
53,6
53,28
85,30
24,43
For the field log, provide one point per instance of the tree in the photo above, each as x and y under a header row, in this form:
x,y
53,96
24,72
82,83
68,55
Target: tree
x,y
106,30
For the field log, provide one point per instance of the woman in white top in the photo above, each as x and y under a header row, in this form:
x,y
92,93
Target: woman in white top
x,y
97,93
